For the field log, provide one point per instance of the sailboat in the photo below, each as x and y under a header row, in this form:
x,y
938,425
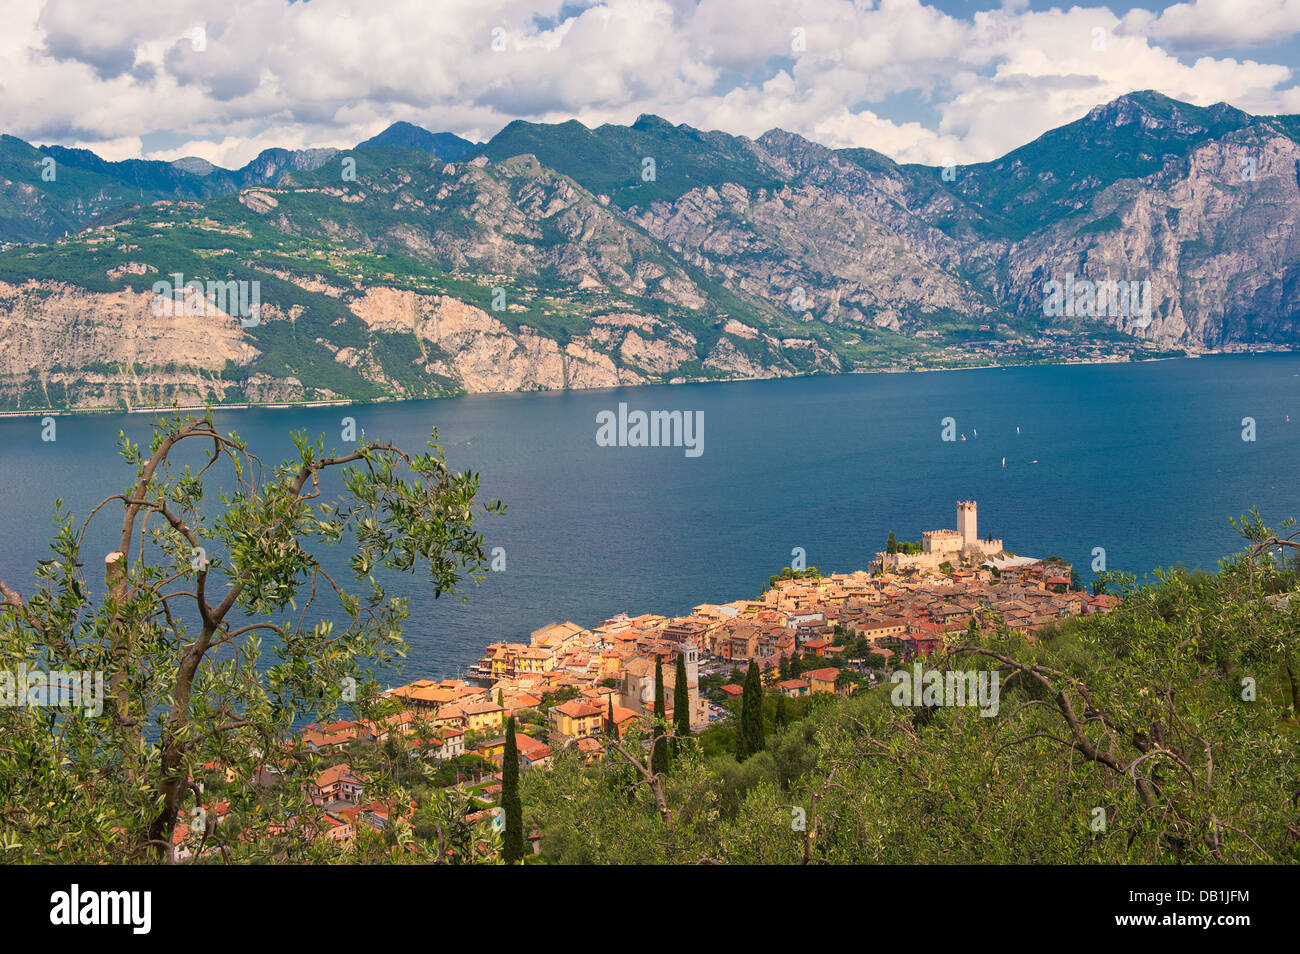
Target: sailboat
x,y
974,433
1004,462
1017,430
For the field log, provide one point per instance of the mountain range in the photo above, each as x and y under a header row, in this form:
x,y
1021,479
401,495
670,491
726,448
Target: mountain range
x,y
418,264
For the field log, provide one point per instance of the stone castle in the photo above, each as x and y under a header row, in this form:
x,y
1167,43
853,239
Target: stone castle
x,y
957,547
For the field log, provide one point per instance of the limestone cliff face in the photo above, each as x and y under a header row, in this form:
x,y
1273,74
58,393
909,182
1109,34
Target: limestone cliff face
x,y
480,351
102,348
513,217
65,346
1218,239
45,327
822,255
855,239
839,244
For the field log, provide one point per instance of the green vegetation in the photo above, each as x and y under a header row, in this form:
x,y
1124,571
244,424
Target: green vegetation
x,y
610,160
204,592
749,727
513,842
1040,183
894,545
812,573
1163,732
681,701
659,752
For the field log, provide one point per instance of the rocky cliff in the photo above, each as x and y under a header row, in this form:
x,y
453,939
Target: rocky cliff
x,y
558,256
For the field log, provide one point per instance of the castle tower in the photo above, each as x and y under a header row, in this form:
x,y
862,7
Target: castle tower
x,y
966,523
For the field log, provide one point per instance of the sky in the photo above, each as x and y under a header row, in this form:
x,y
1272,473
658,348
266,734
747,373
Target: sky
x,y
956,81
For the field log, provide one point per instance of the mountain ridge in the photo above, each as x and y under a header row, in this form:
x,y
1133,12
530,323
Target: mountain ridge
x,y
557,255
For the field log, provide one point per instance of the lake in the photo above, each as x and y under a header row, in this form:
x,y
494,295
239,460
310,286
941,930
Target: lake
x,y
1144,460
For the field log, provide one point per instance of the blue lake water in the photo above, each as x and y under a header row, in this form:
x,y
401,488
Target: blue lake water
x,y
1145,460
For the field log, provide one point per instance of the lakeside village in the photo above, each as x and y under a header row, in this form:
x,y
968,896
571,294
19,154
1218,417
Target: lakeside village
x,y
571,686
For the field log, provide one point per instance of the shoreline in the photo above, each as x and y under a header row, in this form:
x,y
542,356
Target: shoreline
x,y
183,408
344,402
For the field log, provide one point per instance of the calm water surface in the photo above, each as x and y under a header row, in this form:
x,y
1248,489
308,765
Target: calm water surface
x,y
1145,460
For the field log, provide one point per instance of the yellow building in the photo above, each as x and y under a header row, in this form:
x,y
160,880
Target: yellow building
x,y
577,719
479,715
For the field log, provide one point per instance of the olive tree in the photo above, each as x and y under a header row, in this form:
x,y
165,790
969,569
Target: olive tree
x,y
195,592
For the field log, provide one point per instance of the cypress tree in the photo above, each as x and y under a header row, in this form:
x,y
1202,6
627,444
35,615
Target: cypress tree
x,y
513,849
659,755
611,730
751,712
741,752
682,700
781,717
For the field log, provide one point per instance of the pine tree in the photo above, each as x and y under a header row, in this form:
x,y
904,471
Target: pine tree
x,y
659,755
682,700
751,710
513,849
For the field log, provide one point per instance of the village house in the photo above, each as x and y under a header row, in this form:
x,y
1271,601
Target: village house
x,y
575,719
339,829
532,753
623,719
378,730
481,715
333,737
376,814
794,687
592,751
335,784
822,680
453,743
557,637
491,750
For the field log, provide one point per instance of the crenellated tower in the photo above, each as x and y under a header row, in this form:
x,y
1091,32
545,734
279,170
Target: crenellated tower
x,y
966,524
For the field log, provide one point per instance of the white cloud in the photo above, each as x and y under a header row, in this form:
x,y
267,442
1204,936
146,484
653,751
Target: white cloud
x,y
1205,25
